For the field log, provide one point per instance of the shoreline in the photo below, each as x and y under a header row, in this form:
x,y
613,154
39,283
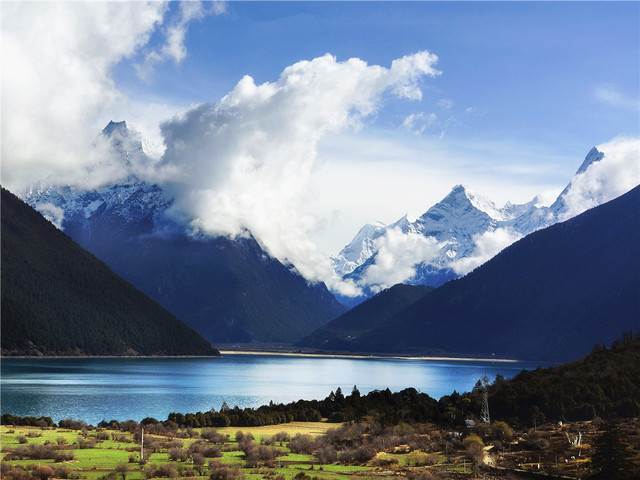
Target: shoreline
x,y
360,356
363,356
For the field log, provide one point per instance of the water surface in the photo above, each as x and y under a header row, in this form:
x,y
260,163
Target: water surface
x,y
133,388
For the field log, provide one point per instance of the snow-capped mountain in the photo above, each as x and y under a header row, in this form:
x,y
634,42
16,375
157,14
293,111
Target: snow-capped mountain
x,y
229,290
131,206
459,223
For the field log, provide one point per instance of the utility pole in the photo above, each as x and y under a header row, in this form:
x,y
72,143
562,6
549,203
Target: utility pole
x,y
142,446
484,413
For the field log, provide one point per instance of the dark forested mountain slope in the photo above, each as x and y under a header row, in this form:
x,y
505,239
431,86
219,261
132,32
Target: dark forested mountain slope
x,y
605,382
339,333
58,299
551,295
228,290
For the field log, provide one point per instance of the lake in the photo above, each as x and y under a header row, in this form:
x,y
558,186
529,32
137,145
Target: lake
x,y
98,389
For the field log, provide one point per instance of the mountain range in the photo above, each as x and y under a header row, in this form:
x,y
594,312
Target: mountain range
x,y
58,299
230,290
550,295
456,223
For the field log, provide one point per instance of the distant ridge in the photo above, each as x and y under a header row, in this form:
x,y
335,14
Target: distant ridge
x,y
549,296
339,333
58,299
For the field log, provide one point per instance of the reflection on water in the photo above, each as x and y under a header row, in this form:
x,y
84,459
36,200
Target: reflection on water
x,y
134,388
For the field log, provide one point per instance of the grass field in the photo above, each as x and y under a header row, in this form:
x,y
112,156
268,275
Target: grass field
x,y
102,456
298,451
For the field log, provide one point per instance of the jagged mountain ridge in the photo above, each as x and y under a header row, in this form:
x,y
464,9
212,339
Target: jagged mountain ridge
x,y
549,296
228,290
454,222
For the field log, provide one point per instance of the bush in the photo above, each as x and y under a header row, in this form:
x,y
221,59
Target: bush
x,y
302,443
22,439
383,462
43,472
64,456
213,436
326,454
63,441
224,472
358,455
177,454
282,437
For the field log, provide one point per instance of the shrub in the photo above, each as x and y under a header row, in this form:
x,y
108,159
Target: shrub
x,y
43,472
224,472
214,437
22,439
282,437
302,443
326,454
212,452
168,471
177,454
383,462
64,456
358,455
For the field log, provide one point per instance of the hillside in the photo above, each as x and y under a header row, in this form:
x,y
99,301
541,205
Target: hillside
x,y
549,296
608,382
229,290
58,299
336,335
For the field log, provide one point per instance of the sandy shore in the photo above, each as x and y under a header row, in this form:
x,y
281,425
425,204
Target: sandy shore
x,y
344,355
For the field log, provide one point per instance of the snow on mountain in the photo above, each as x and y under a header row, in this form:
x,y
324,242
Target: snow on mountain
x,y
126,202
470,229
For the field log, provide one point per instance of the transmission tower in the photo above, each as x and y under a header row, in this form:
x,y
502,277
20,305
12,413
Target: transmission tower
x,y
484,413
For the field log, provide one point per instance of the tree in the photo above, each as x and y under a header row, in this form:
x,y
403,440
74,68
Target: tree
x,y
355,393
612,457
122,469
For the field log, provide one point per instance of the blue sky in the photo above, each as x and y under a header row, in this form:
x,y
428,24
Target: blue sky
x,y
311,147
536,72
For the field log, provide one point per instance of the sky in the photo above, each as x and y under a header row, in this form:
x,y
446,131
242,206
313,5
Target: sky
x,y
302,121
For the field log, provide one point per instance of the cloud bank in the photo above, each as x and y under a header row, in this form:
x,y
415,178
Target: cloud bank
x,y
247,161
57,63
617,173
397,256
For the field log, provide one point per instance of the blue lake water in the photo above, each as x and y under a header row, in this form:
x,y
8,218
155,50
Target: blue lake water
x,y
134,388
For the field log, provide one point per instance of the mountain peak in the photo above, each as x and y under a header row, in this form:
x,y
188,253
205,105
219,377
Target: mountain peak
x,y
461,194
114,127
593,156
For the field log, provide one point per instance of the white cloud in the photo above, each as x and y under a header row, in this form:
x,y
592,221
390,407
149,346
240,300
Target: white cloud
x,y
175,32
445,103
55,66
248,160
57,62
52,213
418,122
487,245
397,256
617,173
614,98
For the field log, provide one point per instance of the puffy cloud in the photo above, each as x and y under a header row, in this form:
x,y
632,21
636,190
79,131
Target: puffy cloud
x,y
57,83
247,161
397,256
56,61
617,173
487,245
